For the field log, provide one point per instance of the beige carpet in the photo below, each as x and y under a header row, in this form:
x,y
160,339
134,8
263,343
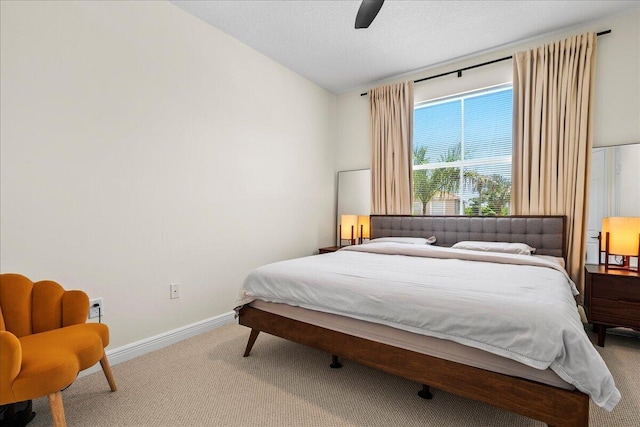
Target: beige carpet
x,y
205,381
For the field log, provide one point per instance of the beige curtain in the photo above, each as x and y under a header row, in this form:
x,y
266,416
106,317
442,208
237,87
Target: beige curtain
x,y
391,109
553,91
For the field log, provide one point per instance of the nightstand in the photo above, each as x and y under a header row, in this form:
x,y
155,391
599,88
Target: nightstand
x,y
328,249
612,299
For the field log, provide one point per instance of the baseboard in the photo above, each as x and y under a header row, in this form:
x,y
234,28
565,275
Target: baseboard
x,y
147,345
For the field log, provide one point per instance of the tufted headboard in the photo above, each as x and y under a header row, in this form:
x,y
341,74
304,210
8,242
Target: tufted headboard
x,y
546,233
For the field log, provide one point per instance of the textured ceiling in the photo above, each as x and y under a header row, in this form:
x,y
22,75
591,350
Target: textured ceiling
x,y
317,39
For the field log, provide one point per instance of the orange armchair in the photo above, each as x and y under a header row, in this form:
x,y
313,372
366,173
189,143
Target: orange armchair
x,y
45,342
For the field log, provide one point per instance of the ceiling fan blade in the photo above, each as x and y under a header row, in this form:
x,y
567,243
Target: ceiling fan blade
x,y
367,12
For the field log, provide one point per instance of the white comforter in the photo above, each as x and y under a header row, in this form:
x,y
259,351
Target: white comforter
x,y
516,306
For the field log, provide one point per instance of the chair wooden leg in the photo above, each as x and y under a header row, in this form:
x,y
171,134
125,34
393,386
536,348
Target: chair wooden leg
x,y
106,368
57,409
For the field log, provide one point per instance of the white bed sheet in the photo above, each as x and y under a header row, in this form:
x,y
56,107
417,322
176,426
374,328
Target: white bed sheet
x,y
516,306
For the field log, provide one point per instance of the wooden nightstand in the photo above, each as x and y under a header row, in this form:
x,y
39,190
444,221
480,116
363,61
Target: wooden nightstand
x,y
328,249
612,299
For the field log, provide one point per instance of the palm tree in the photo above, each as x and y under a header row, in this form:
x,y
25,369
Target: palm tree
x,y
423,189
499,194
494,195
427,183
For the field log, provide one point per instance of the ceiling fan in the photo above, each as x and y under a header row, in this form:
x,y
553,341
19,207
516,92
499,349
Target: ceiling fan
x,y
367,12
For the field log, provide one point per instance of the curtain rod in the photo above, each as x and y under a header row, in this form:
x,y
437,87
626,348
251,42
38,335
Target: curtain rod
x,y
460,70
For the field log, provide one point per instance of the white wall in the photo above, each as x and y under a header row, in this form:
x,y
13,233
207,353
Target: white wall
x,y
617,98
141,147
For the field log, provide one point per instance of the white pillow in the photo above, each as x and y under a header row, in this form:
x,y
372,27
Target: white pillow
x,y
408,240
504,247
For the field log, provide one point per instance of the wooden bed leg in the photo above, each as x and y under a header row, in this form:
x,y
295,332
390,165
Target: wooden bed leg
x,y
425,393
335,362
252,339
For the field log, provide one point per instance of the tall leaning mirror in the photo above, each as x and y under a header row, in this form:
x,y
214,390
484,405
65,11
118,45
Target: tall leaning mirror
x,y
614,189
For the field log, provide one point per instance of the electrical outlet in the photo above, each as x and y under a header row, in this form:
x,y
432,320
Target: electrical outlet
x,y
174,290
96,308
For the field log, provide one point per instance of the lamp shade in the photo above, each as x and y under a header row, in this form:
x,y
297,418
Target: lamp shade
x,y
624,234
347,222
363,224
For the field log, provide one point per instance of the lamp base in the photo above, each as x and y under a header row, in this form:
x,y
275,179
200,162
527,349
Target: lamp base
x,y
624,265
350,243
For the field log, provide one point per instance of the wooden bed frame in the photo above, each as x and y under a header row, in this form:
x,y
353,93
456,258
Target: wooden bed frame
x,y
554,406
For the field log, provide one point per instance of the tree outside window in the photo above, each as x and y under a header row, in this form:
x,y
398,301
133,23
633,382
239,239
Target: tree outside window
x,y
462,154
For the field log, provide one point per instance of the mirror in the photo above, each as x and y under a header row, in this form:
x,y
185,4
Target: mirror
x,y
354,195
614,189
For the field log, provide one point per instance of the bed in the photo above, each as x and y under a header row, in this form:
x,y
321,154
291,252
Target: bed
x,y
459,364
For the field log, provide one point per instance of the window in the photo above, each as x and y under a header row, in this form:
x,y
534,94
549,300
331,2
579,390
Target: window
x,y
462,154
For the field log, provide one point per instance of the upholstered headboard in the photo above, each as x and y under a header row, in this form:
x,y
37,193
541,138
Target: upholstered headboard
x,y
545,233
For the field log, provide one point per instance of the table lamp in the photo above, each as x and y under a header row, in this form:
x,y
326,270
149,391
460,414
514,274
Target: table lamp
x,y
620,236
348,227
363,228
